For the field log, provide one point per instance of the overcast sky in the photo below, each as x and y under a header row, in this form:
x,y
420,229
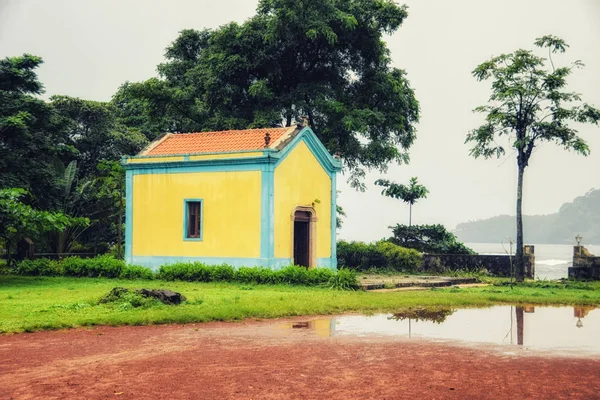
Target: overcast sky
x,y
91,47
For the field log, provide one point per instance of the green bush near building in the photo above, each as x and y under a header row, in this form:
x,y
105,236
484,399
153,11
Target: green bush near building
x,y
106,266
381,255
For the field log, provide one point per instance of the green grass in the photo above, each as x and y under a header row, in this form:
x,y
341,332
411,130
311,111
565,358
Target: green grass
x,y
38,303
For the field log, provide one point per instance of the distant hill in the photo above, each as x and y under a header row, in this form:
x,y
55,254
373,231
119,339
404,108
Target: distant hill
x,y
581,216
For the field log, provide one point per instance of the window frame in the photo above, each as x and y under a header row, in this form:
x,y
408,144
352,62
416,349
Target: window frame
x,y
186,219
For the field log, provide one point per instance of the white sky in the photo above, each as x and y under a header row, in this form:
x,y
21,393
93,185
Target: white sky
x,y
91,47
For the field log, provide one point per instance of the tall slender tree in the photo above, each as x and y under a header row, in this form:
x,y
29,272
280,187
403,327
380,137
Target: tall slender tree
x,y
529,104
408,194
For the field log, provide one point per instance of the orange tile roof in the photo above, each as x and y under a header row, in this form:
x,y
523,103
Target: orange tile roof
x,y
215,142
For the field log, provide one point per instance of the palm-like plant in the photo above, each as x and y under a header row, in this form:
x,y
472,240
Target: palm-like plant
x,y
408,194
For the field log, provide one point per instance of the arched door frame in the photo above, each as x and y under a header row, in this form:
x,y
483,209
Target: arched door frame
x,y
312,232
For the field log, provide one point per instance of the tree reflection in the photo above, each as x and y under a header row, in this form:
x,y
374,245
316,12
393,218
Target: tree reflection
x,y
433,314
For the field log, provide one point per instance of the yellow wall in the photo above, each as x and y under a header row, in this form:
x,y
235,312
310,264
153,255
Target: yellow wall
x,y
292,189
231,221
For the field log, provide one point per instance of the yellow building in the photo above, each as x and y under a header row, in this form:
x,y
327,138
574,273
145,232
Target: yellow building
x,y
258,197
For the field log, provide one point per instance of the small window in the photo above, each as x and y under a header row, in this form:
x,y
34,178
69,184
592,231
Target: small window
x,y
193,219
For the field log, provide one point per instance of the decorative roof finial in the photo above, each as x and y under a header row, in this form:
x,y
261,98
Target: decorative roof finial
x,y
267,139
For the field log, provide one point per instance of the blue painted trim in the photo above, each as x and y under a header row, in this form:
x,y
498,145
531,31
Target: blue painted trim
x,y
213,153
186,168
221,162
154,262
267,222
186,219
320,151
328,163
334,221
128,215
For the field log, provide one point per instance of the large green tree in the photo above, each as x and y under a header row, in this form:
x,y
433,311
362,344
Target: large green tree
x,y
323,59
93,129
31,134
529,104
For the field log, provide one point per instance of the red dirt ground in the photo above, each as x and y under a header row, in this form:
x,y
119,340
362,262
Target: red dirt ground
x,y
256,360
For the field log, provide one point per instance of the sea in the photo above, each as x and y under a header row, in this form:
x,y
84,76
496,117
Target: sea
x,y
551,260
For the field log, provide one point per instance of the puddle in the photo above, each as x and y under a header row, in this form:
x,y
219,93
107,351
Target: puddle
x,y
561,329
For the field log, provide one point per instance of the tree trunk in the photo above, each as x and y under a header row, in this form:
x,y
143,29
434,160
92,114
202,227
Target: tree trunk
x,y
8,255
410,215
519,265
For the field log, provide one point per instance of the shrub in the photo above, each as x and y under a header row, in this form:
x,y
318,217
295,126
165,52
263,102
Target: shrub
x,y
382,255
102,266
345,279
222,272
136,272
185,271
399,258
39,266
319,276
293,275
432,239
256,275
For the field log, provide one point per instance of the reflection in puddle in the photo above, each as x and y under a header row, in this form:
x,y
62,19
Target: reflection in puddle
x,y
542,328
437,315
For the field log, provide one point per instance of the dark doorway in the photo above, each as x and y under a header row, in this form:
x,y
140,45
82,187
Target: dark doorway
x,y
302,238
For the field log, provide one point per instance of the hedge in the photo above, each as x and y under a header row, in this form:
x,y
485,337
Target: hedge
x,y
102,266
360,256
109,267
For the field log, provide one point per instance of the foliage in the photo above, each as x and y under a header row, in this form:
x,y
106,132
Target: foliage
x,y
222,273
65,153
339,213
361,256
291,275
433,239
101,266
39,267
323,59
19,220
529,105
345,279
136,272
31,134
93,129
408,194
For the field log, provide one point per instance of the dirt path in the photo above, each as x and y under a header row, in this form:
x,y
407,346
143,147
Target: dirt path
x,y
253,360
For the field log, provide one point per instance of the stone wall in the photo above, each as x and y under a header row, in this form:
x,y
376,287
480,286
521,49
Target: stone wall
x,y
585,264
498,265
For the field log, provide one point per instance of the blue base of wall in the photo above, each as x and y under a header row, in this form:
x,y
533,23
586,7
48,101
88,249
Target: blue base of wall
x,y
154,262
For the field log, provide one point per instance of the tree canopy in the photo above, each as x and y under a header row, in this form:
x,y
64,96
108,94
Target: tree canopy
x,y
323,59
